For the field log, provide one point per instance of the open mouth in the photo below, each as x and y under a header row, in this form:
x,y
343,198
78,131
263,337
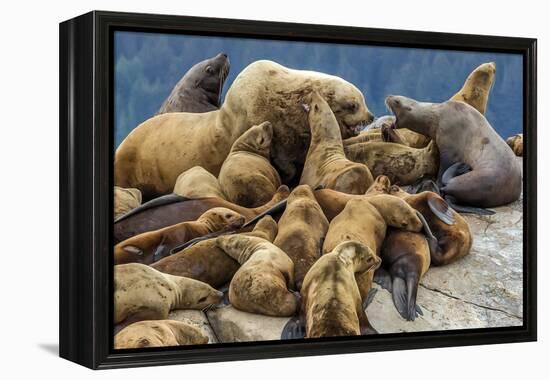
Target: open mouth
x,y
355,129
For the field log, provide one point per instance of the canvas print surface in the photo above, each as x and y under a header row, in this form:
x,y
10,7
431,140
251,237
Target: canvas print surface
x,y
269,189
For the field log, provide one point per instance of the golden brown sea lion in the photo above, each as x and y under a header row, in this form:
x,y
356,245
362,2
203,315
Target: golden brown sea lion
x,y
374,132
164,333
143,293
326,164
246,177
331,301
302,228
152,246
198,183
206,262
262,283
153,155
125,200
516,143
477,87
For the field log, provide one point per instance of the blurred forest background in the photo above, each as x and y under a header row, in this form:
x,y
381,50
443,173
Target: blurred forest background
x,y
148,65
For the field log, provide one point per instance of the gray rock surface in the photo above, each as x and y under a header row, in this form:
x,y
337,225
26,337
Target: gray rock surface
x,y
197,318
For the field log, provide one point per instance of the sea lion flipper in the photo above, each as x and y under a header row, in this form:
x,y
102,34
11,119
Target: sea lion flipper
x,y
467,209
369,298
277,207
294,329
441,209
161,252
404,296
383,278
455,170
156,202
419,310
225,290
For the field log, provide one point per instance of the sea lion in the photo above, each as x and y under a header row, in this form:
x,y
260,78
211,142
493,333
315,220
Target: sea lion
x,y
206,262
153,155
143,293
302,228
164,333
246,177
464,139
172,209
402,164
152,246
326,164
365,219
477,87
200,89
516,143
263,282
125,200
454,238
198,183
331,301
375,132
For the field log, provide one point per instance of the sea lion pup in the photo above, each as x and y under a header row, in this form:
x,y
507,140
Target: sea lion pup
x,y
402,164
464,139
302,228
125,200
516,143
152,246
164,333
197,183
262,283
454,238
206,262
143,293
331,300
200,89
326,164
153,155
477,87
173,209
246,177
365,219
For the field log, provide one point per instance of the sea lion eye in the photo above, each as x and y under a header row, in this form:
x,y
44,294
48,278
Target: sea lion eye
x,y
209,70
228,216
202,299
352,106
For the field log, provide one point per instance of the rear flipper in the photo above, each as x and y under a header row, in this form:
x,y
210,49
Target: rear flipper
x,y
441,209
294,329
404,297
451,201
456,169
369,298
423,184
383,278
432,240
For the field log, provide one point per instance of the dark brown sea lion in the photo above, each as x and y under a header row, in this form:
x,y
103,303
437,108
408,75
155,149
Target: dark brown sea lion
x,y
302,228
206,262
516,143
151,246
164,333
477,168
200,89
172,209
326,164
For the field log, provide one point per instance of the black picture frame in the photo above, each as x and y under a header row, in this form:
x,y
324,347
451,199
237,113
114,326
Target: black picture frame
x,y
86,160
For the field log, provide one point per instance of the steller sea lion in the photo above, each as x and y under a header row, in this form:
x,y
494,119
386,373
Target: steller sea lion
x,y
172,209
477,87
200,89
197,183
143,293
153,155
302,228
163,333
206,262
125,200
516,143
262,283
326,164
246,177
477,168
151,246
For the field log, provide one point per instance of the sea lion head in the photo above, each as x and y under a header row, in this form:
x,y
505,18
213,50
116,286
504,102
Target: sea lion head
x,y
483,76
411,114
381,185
196,294
357,253
380,122
219,218
210,75
396,212
302,191
256,140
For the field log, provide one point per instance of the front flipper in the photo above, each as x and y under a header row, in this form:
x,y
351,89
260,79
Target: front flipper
x,y
456,169
441,209
294,329
404,296
383,278
156,202
467,209
432,240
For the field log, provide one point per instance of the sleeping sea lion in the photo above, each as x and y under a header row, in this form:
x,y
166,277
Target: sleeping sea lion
x,y
197,183
163,333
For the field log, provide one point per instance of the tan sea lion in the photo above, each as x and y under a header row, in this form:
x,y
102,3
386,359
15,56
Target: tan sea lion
x,y
200,89
198,183
302,228
516,143
246,176
326,164
153,155
163,333
125,200
477,168
263,282
206,262
477,87
171,209
331,301
151,246
374,132
143,293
